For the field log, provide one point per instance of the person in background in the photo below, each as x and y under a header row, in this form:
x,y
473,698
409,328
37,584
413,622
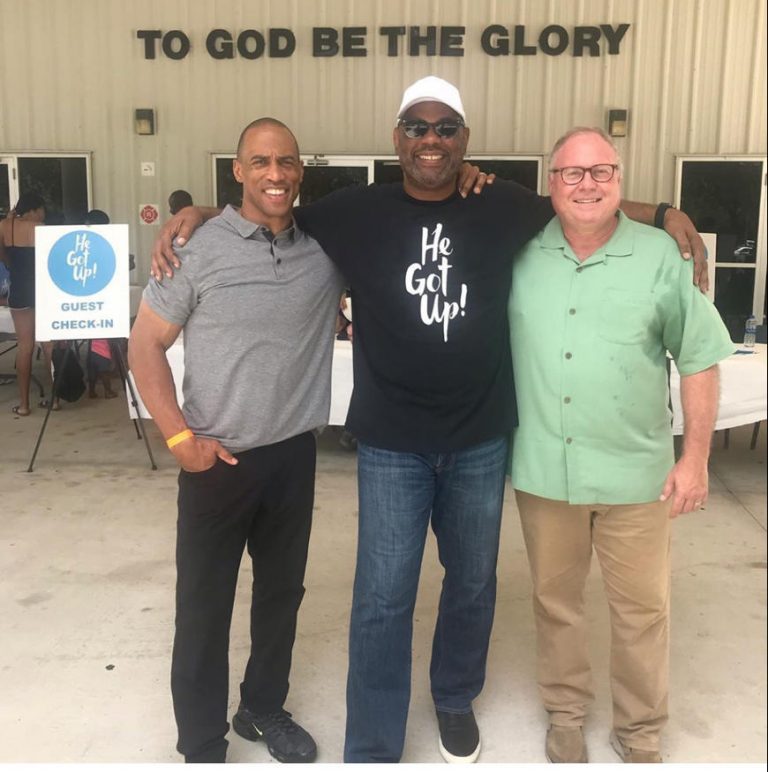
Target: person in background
x,y
17,250
593,462
99,362
178,200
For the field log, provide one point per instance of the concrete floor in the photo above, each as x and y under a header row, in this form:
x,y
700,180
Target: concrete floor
x,y
87,574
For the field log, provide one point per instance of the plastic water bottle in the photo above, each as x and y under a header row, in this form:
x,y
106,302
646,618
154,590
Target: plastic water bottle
x,y
749,332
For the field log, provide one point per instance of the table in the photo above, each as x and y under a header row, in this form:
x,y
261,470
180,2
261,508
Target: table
x,y
6,322
341,380
135,293
743,391
8,335
743,388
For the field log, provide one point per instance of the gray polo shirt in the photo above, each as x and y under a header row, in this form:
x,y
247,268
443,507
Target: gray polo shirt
x,y
258,316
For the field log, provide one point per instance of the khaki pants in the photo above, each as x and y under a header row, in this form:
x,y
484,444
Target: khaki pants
x,y
632,546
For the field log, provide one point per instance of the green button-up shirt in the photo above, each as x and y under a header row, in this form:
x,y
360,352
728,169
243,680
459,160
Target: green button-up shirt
x,y
589,342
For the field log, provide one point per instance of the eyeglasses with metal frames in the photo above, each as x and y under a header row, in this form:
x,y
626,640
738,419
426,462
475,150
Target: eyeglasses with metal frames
x,y
445,129
573,175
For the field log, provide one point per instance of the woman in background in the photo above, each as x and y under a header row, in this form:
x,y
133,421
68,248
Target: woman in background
x,y
17,250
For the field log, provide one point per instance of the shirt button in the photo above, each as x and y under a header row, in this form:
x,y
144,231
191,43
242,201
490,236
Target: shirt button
x,y
568,355
568,440
567,400
579,269
571,311
279,260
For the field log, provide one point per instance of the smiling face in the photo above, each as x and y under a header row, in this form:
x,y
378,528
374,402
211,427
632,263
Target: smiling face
x,y
271,171
588,206
430,163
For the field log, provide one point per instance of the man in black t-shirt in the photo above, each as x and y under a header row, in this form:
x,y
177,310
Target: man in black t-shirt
x,y
432,407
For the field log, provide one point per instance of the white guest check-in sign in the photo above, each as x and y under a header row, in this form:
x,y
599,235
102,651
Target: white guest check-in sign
x,y
81,282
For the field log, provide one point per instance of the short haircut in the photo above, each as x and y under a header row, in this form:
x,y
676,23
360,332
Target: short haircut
x,y
266,121
97,217
178,200
586,130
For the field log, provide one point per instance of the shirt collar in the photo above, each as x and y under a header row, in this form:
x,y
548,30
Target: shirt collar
x,y
620,244
247,228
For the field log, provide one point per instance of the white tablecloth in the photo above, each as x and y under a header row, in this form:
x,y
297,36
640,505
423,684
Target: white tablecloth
x,y
743,390
742,386
6,322
341,385
135,292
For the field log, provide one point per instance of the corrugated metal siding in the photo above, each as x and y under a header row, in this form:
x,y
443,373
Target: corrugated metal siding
x,y
691,72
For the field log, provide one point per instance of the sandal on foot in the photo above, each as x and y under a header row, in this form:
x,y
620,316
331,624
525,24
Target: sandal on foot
x,y
46,403
20,411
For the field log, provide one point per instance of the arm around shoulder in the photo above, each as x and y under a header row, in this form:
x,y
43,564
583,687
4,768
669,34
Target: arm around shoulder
x,y
180,227
678,225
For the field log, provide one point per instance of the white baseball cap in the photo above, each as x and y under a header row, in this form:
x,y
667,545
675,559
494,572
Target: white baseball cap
x,y
432,89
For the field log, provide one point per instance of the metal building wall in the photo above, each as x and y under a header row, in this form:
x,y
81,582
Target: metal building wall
x,y
692,73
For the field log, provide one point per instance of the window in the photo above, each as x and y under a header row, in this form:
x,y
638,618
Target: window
x,y
725,196
324,174
64,181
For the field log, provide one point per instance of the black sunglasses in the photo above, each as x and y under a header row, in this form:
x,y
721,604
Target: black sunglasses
x,y
444,129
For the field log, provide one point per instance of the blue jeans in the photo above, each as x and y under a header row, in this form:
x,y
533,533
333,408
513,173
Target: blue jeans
x,y
400,493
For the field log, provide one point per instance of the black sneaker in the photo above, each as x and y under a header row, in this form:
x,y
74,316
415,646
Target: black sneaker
x,y
459,737
286,740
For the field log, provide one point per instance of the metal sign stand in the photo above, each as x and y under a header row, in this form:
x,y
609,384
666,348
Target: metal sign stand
x,y
117,355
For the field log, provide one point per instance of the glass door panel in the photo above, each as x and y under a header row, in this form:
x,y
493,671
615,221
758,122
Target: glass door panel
x,y
61,181
724,196
8,188
319,180
525,171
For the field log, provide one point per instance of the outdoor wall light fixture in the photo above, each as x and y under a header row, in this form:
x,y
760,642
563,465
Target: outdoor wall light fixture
x,y
617,123
144,122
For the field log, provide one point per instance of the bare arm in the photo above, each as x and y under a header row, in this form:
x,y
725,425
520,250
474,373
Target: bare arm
x,y
688,482
187,220
151,336
181,226
678,225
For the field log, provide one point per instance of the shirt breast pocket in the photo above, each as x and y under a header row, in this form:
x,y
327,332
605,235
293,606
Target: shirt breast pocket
x,y
626,317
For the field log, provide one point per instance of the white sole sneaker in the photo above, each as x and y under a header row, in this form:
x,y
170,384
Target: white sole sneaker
x,y
451,759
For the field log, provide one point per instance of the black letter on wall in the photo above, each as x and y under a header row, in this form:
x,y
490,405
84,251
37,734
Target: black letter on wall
x,y
353,41
150,37
586,37
324,41
451,43
614,36
219,44
282,43
560,46
494,40
391,33
175,52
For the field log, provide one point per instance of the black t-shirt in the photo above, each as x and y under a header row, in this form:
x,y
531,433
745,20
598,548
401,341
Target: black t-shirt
x,y
430,282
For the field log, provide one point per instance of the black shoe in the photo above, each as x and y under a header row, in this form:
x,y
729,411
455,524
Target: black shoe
x,y
459,737
286,740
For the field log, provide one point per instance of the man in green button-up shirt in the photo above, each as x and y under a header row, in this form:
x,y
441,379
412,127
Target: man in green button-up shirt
x,y
597,301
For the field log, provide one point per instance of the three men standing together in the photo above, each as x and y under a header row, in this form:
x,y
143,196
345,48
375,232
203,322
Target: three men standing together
x,y
432,409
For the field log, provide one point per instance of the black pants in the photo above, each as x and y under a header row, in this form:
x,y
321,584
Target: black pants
x,y
264,503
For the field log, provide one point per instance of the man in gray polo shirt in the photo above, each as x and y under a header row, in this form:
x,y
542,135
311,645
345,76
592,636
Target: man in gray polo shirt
x,y
256,383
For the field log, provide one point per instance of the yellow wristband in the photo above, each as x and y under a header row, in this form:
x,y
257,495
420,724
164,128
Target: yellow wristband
x,y
172,442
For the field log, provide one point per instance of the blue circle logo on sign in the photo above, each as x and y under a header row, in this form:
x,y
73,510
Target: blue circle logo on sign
x,y
81,263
